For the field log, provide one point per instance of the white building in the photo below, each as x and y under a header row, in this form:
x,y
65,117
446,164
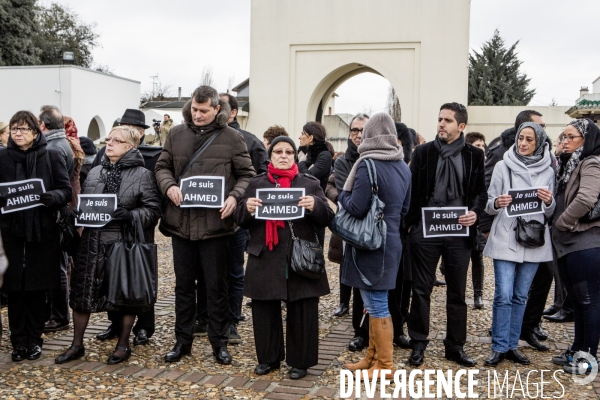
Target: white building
x,y
93,99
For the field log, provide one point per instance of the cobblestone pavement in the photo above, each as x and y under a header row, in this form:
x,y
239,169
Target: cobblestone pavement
x,y
145,375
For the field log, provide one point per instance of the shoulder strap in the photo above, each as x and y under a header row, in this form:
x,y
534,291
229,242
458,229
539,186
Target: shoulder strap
x,y
510,177
372,174
195,156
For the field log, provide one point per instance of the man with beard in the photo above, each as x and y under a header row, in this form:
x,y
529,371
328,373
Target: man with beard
x,y
446,172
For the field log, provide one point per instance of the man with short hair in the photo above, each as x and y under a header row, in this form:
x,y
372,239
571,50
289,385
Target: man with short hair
x,y
165,128
52,126
200,235
446,172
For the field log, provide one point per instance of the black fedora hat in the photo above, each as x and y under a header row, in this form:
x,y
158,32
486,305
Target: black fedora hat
x,y
134,117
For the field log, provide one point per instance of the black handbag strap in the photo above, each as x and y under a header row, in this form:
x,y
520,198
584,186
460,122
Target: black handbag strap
x,y
372,175
195,156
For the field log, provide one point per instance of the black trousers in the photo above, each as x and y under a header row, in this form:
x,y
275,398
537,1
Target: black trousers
x,y
426,253
561,297
59,298
538,293
210,257
477,271
302,332
27,314
144,321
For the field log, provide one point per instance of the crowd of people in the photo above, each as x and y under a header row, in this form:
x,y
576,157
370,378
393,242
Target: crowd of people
x,y
391,284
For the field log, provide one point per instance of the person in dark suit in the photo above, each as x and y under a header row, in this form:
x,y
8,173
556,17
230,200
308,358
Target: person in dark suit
x,y
269,278
446,172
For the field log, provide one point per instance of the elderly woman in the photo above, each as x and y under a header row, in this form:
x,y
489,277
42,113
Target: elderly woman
x,y
269,278
374,272
575,238
122,173
31,236
526,164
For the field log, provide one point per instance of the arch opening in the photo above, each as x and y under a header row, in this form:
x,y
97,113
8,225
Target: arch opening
x,y
96,128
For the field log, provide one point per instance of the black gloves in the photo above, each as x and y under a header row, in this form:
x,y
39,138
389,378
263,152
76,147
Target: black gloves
x,y
122,214
47,199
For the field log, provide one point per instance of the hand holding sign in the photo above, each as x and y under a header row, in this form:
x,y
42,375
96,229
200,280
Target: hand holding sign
x,y
503,201
307,202
228,207
174,194
468,219
252,203
545,195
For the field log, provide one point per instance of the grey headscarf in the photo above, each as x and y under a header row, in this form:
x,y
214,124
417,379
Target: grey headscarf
x,y
378,143
540,143
568,162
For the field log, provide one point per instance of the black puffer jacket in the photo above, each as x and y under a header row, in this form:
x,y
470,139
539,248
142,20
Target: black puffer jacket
x,y
139,194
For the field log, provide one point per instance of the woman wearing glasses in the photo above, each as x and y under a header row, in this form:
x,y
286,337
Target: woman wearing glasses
x,y
526,164
269,278
31,236
575,238
122,173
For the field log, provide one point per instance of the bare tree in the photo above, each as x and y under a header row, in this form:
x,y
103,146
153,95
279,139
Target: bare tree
x,y
393,105
206,79
230,83
553,103
159,91
367,109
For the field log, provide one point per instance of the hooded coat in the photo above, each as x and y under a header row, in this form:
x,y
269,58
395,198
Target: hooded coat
x,y
256,148
138,194
502,243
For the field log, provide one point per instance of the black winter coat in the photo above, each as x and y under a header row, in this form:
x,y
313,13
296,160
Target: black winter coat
x,y
35,265
423,168
139,194
268,275
318,163
256,148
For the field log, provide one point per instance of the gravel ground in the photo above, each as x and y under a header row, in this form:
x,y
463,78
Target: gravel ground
x,y
20,381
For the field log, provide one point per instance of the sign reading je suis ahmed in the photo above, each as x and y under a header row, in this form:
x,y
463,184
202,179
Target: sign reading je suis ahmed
x,y
203,191
525,202
443,221
21,195
280,203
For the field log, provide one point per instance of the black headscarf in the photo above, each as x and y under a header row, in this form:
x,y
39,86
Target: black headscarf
x,y
27,223
447,184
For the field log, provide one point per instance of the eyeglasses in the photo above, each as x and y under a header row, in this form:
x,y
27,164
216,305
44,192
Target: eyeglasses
x,y
356,130
287,152
569,138
117,141
20,130
303,133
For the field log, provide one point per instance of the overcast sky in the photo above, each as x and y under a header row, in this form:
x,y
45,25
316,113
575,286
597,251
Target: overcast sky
x,y
176,39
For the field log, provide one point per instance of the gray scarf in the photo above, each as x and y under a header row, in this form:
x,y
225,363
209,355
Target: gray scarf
x,y
55,134
540,142
379,143
447,183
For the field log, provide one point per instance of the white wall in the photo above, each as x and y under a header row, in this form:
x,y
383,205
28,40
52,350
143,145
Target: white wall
x,y
80,93
596,86
493,120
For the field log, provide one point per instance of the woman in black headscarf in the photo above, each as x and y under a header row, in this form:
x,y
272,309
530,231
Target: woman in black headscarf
x,y
31,236
575,238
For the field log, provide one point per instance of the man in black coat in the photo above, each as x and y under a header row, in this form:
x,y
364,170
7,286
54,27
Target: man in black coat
x,y
446,172
145,325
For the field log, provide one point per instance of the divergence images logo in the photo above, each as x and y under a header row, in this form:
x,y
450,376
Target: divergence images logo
x,y
579,359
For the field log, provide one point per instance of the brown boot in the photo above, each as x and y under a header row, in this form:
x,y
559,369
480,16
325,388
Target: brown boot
x,y
382,331
369,359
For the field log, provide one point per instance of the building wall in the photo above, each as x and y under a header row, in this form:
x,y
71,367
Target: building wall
x,y
337,131
80,93
297,60
596,86
493,120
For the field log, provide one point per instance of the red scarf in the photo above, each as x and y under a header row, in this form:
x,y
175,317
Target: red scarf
x,y
284,179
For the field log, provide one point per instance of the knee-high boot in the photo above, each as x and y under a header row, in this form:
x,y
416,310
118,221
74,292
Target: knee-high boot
x,y
383,331
370,358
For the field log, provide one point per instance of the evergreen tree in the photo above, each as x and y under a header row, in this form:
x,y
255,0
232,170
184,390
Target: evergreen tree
x,y
494,76
18,27
60,30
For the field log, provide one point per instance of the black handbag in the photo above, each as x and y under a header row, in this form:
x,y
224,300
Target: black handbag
x,y
530,234
366,233
307,257
131,271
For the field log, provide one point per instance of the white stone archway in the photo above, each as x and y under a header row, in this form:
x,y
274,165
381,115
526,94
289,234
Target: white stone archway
x,y
96,128
301,51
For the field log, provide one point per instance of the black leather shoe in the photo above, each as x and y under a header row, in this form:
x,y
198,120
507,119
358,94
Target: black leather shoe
x,y
356,344
551,310
534,342
416,357
53,326
494,359
540,333
561,316
72,353
114,359
141,338
478,302
110,333
439,282
222,356
402,341
178,351
297,373
518,357
341,310
461,358
19,353
34,352
263,369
